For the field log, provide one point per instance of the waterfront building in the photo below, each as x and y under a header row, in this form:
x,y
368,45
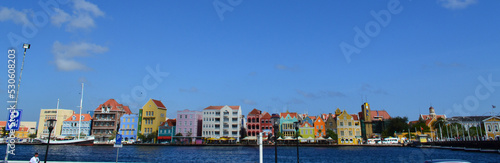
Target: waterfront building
x,y
372,121
128,128
431,117
222,121
492,125
22,133
307,119
266,124
319,127
254,122
153,114
28,127
70,125
306,130
59,114
331,122
467,121
349,129
287,127
106,119
167,131
189,123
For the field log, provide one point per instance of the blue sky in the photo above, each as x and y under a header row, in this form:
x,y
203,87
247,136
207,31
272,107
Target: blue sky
x,y
270,55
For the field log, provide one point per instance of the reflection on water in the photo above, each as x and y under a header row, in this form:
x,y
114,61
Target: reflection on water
x,y
243,154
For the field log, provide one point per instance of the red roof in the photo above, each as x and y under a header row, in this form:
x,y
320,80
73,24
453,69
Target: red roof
x,y
170,122
220,107
87,117
304,124
379,113
266,116
355,117
3,123
159,104
254,112
292,115
115,106
425,117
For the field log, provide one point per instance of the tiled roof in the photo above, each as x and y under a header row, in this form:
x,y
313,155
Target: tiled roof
x,y
304,124
355,117
3,123
87,117
379,113
266,116
159,104
292,115
412,122
115,106
254,112
220,107
170,122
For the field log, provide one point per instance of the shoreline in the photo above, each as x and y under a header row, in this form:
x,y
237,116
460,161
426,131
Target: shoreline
x,y
251,145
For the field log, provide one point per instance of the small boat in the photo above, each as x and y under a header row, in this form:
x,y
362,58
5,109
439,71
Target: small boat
x,y
89,141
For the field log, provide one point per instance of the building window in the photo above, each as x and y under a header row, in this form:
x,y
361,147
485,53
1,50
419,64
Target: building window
x,y
341,133
350,133
341,123
349,123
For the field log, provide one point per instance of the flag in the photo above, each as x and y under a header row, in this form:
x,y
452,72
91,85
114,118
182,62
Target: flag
x,y
493,106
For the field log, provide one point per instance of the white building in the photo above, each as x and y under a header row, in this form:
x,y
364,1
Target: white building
x,y
221,121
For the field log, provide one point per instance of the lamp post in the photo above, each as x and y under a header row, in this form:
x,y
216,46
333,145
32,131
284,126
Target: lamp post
x,y
296,124
276,124
50,125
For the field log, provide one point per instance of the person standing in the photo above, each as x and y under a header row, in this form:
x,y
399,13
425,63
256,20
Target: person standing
x,y
35,159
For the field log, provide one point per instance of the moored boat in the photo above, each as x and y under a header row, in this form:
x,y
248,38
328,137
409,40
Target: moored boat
x,y
89,141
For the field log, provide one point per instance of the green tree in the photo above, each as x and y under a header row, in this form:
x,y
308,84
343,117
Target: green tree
x,y
5,132
279,134
297,134
395,124
178,136
331,134
32,136
420,125
141,137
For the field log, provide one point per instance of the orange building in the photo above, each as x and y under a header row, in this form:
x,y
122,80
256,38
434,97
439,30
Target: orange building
x,y
319,127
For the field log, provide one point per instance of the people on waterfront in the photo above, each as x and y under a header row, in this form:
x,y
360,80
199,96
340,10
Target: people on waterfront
x,y
35,159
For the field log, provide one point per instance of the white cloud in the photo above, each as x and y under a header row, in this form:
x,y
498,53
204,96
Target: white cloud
x,y
82,16
249,102
18,17
286,68
65,54
457,4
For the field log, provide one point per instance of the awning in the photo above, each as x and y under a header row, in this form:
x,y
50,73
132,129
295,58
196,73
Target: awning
x,y
212,138
164,137
232,138
223,139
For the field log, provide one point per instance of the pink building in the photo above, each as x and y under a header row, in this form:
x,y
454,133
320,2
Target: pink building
x,y
189,123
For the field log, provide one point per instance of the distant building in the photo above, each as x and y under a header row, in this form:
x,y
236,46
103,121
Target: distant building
x,y
330,122
266,124
467,121
319,127
128,128
372,121
70,125
492,125
153,114
188,123
287,121
222,121
307,130
166,131
59,114
25,128
254,122
349,129
106,119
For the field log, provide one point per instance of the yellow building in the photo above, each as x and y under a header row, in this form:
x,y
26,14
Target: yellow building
x,y
59,114
348,129
491,126
153,114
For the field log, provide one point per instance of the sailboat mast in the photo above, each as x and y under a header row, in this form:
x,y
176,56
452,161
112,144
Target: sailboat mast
x,y
57,114
80,118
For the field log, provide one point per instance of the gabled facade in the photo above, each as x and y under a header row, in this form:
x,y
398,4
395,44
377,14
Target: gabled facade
x,y
70,125
222,121
166,131
254,122
106,119
492,125
349,129
307,119
319,127
287,127
129,127
189,123
331,123
306,130
266,124
153,114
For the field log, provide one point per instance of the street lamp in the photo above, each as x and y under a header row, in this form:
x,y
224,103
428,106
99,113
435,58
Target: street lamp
x,y
296,124
50,125
276,121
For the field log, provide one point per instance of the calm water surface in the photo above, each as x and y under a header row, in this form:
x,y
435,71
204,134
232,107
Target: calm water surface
x,y
243,154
